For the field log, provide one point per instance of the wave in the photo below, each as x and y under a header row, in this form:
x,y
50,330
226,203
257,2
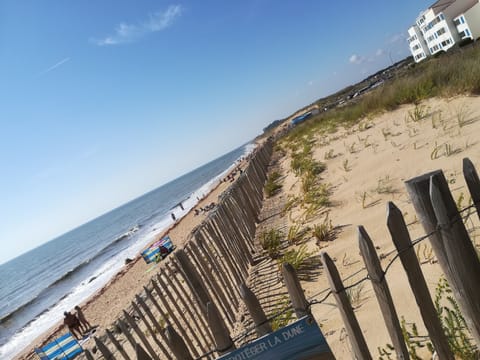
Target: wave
x,y
69,274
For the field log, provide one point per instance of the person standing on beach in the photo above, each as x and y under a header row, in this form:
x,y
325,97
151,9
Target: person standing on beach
x,y
81,318
73,324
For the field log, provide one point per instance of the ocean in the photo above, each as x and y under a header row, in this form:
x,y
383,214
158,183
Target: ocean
x,y
38,286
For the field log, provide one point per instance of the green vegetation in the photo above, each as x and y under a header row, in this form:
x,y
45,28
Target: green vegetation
x,y
413,340
323,231
271,241
453,322
295,257
284,313
448,75
273,185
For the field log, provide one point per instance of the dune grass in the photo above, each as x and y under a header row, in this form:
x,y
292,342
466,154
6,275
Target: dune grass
x,y
448,75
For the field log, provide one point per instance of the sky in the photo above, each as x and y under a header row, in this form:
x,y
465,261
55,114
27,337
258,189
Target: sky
x,y
102,101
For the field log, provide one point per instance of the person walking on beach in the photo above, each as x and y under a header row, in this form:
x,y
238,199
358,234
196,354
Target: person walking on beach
x,y
81,318
73,324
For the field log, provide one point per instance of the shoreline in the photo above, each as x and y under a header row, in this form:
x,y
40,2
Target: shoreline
x,y
104,306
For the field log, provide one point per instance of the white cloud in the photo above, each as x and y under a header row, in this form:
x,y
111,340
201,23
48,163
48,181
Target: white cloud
x,y
125,33
53,67
379,52
356,59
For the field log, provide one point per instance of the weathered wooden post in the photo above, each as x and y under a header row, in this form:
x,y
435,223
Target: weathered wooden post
x,y
149,328
215,291
126,332
155,323
262,325
140,334
473,183
184,287
401,238
193,279
117,344
459,253
295,291
220,333
140,353
103,349
359,345
419,191
177,344
88,355
170,312
382,292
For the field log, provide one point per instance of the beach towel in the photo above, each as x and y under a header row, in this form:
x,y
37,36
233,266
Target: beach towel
x,y
65,347
153,253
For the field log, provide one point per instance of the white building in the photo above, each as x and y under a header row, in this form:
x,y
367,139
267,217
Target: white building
x,y
418,46
442,25
468,23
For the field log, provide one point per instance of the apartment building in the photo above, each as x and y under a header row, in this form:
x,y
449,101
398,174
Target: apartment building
x,y
442,25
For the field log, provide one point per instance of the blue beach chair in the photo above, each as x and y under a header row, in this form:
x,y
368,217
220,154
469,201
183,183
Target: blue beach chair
x,y
63,348
153,254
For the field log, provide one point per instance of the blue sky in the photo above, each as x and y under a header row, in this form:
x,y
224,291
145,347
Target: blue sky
x,y
102,101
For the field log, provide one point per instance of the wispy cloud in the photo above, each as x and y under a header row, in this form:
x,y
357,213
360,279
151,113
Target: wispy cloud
x,y
356,59
126,33
55,66
379,52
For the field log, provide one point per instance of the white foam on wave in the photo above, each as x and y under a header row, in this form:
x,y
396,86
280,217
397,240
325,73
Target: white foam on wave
x,y
79,293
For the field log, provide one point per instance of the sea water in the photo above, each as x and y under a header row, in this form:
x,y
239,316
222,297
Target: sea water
x,y
38,286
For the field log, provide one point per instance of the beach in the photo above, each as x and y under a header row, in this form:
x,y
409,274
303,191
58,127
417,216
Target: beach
x,y
106,305
365,167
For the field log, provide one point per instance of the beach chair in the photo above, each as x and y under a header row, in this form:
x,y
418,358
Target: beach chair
x,y
63,348
153,253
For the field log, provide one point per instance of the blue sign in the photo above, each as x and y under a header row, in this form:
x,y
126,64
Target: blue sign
x,y
301,340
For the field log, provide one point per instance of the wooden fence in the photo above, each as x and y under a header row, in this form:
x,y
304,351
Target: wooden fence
x,y
190,306
456,254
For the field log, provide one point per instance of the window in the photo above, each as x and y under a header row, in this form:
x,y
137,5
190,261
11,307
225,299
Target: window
x,y
462,19
441,31
457,22
467,32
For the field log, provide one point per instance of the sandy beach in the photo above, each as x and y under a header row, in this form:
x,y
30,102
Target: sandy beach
x,y
107,304
366,165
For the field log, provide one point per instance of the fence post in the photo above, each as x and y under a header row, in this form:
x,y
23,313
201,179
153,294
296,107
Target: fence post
x,y
139,333
177,344
88,355
223,342
117,344
295,291
473,183
155,323
382,293
359,346
262,325
193,279
149,328
140,353
126,332
103,349
401,238
459,252
170,312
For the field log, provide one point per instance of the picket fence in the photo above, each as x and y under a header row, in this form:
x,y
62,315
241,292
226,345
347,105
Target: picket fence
x,y
188,310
